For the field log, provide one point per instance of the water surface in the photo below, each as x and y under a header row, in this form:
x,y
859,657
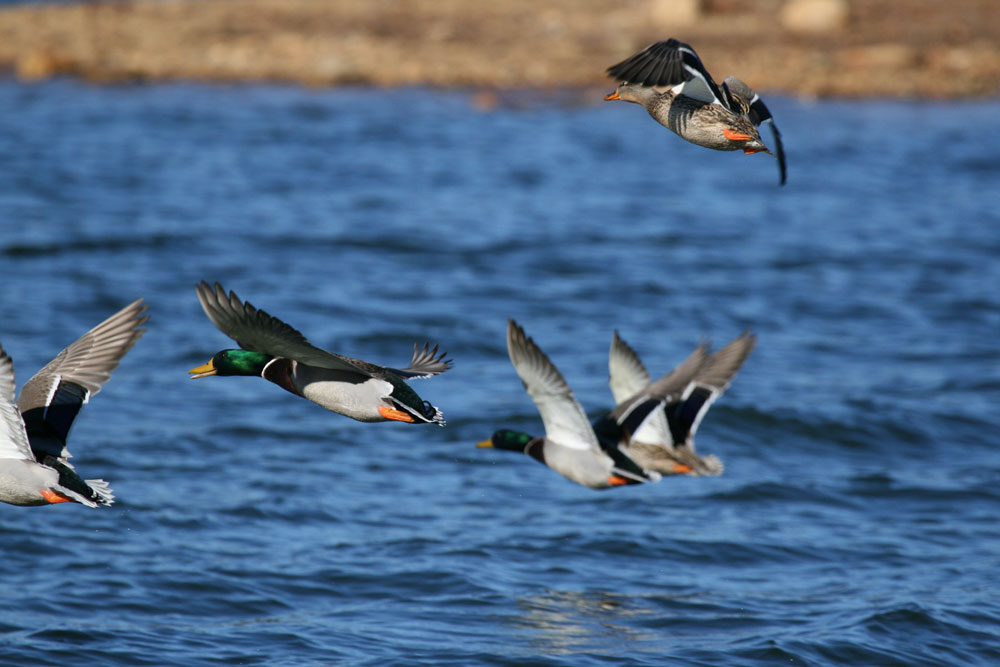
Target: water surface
x,y
856,520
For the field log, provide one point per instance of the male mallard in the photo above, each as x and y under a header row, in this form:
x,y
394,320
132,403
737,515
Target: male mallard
x,y
723,117
33,457
654,422
277,352
570,446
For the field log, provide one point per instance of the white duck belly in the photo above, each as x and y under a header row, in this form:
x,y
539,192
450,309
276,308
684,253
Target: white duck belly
x,y
585,467
21,482
350,394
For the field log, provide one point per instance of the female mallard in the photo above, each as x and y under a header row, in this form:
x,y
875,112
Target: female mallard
x,y
277,352
570,446
654,422
33,457
724,117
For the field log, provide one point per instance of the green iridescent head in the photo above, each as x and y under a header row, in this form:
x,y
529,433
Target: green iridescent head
x,y
513,441
233,362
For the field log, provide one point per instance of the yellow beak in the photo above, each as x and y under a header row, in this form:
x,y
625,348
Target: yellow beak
x,y
202,371
484,444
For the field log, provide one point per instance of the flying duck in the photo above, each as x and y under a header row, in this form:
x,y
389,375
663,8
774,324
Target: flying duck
x,y
34,466
569,446
654,423
724,117
275,351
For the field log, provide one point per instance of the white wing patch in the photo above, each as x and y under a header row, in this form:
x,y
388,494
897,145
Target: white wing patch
x,y
655,430
696,89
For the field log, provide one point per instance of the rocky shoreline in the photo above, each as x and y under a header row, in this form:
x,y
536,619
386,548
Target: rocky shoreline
x,y
818,48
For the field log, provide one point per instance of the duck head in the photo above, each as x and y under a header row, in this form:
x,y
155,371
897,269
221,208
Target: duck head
x,y
632,92
515,441
233,362
512,441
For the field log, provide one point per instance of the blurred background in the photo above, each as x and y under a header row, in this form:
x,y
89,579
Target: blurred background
x,y
806,47
383,173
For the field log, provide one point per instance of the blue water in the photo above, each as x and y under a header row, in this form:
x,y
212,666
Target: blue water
x,y
856,522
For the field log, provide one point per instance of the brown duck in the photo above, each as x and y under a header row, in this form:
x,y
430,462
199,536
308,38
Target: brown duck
x,y
723,117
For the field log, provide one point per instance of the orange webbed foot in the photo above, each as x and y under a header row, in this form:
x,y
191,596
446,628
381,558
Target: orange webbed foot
x,y
395,415
55,497
734,135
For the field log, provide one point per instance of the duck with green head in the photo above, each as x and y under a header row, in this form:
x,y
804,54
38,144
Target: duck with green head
x,y
570,445
277,352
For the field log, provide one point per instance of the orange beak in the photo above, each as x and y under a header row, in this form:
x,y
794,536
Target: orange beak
x,y
614,96
615,480
682,469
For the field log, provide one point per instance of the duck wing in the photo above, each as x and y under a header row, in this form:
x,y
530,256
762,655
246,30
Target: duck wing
x,y
564,419
424,363
7,384
13,438
711,381
758,113
672,64
627,376
668,388
51,399
256,330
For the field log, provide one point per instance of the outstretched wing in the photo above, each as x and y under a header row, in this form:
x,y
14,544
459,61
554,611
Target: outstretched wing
x,y
425,363
50,401
564,419
758,113
13,438
7,385
669,387
627,375
672,63
258,331
711,380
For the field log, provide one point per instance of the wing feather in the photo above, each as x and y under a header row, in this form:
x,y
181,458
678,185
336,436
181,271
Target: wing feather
x,y
627,374
89,361
425,363
13,438
709,383
565,421
7,385
256,330
671,63
758,113
51,399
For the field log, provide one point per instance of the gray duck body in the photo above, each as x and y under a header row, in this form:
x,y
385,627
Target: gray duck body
x,y
702,123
